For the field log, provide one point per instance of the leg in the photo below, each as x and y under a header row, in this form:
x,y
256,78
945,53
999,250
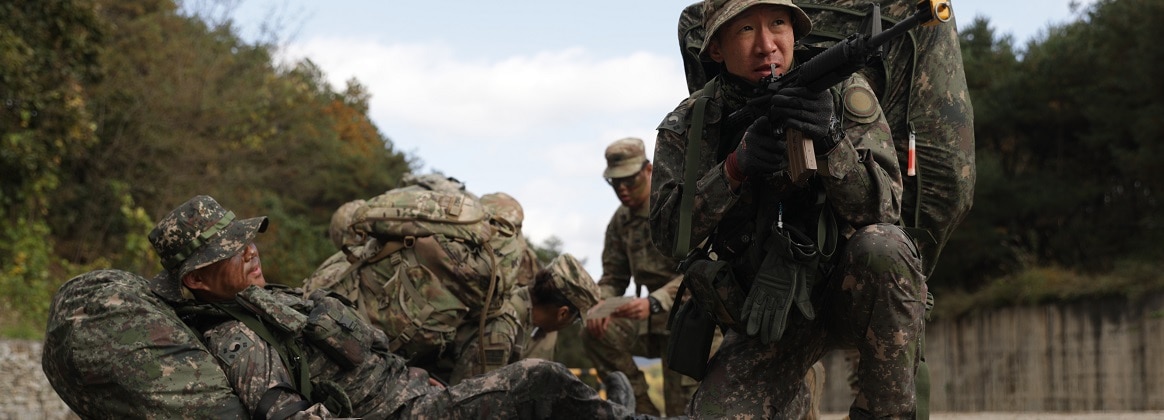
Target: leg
x,y
529,389
882,301
616,351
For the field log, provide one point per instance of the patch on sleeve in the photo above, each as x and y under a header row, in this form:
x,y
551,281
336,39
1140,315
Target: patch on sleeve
x,y
673,122
229,350
860,104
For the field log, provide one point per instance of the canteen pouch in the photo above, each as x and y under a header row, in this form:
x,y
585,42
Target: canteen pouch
x,y
714,286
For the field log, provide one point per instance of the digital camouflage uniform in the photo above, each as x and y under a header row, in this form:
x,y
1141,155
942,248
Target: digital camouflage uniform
x,y
872,299
345,358
629,253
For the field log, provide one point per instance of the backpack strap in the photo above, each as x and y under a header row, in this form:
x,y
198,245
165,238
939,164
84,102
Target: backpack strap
x,y
292,354
690,175
271,397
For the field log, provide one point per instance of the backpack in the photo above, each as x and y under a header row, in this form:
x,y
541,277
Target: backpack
x,y
418,264
924,96
113,349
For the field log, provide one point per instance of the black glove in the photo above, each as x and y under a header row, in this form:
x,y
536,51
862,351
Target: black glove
x,y
759,152
809,112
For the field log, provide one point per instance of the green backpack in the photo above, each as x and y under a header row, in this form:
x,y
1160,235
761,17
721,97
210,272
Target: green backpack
x,y
113,349
418,264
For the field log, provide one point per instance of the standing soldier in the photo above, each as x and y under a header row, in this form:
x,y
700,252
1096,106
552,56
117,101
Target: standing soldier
x,y
638,327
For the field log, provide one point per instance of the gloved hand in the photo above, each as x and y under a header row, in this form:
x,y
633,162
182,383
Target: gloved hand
x,y
785,279
759,152
809,112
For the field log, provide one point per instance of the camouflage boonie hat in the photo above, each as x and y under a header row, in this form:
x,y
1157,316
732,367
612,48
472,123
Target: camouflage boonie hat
x,y
624,158
504,206
568,275
718,12
341,221
196,234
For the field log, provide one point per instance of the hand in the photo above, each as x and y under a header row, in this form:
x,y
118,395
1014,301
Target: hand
x,y
636,309
759,153
597,326
809,112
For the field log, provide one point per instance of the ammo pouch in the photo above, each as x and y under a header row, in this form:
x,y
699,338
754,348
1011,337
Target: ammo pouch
x,y
689,343
336,330
714,287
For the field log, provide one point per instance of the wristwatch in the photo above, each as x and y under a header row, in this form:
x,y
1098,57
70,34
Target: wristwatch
x,y
656,307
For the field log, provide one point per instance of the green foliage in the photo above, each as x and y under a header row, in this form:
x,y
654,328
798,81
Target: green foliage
x,y
1067,134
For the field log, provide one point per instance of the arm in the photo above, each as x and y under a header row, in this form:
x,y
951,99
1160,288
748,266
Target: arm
x,y
860,174
253,368
616,268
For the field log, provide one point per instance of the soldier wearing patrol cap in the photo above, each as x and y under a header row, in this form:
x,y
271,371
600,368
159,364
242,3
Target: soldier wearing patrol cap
x,y
638,327
789,270
560,295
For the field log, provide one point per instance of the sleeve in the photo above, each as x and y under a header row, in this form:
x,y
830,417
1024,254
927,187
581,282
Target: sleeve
x,y
713,196
666,294
861,174
253,367
616,268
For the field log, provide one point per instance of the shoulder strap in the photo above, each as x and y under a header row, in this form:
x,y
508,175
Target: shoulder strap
x,y
690,175
293,358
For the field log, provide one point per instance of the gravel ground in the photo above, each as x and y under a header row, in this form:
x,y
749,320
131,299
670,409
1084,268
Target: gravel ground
x,y
1106,415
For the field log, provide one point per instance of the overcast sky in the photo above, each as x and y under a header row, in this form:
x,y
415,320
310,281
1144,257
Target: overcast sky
x,y
523,96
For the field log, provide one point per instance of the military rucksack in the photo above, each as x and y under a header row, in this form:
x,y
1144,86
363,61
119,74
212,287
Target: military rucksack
x,y
115,350
419,264
922,90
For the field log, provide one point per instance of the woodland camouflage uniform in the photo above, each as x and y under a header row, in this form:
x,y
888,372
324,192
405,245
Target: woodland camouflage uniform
x,y
357,377
873,296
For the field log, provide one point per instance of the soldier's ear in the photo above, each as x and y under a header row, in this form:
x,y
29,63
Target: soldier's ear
x,y
193,281
564,313
714,52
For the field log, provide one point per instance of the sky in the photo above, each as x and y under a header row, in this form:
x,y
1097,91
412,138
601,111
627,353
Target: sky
x,y
523,96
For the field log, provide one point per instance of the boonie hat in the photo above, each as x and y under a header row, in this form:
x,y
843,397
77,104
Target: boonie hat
x,y
718,12
624,158
198,233
568,275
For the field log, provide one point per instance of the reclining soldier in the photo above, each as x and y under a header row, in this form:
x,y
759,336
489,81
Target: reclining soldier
x,y
289,356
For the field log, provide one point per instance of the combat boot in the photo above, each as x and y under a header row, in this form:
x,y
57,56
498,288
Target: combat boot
x,y
619,390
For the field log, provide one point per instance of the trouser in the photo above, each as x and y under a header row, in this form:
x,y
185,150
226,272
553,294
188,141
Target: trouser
x,y
529,389
626,338
874,299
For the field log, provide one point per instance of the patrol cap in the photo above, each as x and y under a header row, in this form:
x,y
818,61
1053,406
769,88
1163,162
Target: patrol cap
x,y
341,220
568,275
198,233
624,158
504,206
718,12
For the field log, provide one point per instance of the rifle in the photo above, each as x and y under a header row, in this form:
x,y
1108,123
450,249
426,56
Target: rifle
x,y
833,66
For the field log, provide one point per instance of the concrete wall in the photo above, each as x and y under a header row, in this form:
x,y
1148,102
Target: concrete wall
x,y
1094,355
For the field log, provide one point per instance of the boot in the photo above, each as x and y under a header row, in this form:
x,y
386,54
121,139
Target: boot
x,y
619,390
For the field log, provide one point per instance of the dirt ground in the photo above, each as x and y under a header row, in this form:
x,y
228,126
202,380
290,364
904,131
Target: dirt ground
x,y
1139,415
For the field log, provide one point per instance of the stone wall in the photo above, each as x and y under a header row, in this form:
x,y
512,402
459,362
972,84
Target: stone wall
x,y
1098,355
25,392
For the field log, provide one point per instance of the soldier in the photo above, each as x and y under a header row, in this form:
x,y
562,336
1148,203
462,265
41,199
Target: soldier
x,y
797,269
638,327
561,294
286,356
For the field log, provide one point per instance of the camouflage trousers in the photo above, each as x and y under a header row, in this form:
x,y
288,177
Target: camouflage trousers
x,y
529,389
873,300
626,338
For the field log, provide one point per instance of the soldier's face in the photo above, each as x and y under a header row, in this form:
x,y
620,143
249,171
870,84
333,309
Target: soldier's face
x,y
750,43
551,318
224,279
634,191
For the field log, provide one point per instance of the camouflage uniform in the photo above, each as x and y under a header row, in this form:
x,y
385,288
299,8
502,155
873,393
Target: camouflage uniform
x,y
356,376
873,297
567,276
628,253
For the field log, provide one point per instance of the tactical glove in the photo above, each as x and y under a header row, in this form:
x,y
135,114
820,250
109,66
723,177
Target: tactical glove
x,y
785,279
809,112
759,152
